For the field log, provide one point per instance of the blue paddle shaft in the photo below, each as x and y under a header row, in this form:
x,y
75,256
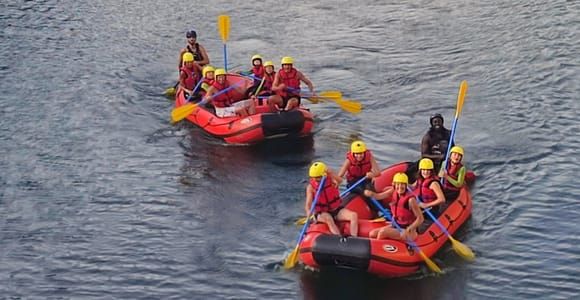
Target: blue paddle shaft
x,y
312,206
451,140
431,214
225,58
194,90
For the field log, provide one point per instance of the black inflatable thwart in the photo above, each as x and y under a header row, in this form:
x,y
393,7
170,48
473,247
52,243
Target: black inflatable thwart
x,y
333,250
282,123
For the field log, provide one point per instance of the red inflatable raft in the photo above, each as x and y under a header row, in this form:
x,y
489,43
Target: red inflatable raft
x,y
391,258
247,130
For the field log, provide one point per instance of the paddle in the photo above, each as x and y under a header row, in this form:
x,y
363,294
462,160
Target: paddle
x,y
224,29
302,220
170,91
460,100
292,258
350,106
180,113
432,266
460,248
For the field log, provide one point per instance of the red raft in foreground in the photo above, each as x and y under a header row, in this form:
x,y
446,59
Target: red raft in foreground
x,y
251,129
391,258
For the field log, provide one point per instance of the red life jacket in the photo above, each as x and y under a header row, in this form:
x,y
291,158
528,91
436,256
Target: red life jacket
x,y
452,171
425,193
400,209
269,79
222,100
258,71
358,169
292,82
329,198
191,77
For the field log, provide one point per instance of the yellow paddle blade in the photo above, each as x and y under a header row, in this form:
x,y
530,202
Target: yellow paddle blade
x,y
170,92
330,94
224,26
292,259
378,220
180,113
462,249
461,98
432,266
300,221
350,106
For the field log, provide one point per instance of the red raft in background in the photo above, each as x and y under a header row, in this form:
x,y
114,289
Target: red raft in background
x,y
252,129
391,258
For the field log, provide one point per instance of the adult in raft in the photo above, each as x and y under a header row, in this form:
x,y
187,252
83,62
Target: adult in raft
x,y
223,103
329,204
200,56
454,175
435,142
359,163
427,187
287,84
404,209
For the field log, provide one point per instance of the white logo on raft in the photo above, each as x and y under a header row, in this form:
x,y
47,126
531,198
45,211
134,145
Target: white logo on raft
x,y
389,248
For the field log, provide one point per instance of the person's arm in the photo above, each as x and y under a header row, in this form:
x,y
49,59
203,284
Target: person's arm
x,y
418,216
212,90
182,77
205,59
331,175
385,194
426,151
436,187
277,86
344,167
375,171
307,81
460,178
308,203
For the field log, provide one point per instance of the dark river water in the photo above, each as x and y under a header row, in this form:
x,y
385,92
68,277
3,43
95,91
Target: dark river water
x,y
102,198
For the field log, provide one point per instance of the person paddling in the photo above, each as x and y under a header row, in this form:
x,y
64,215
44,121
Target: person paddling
x,y
435,142
188,76
404,209
359,163
329,205
428,188
224,103
287,84
454,175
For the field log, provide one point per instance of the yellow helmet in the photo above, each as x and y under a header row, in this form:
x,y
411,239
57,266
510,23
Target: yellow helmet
x,y
287,60
426,164
268,63
457,149
358,147
206,69
318,169
257,56
219,72
401,178
187,57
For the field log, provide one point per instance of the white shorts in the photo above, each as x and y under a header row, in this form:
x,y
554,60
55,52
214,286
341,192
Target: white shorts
x,y
230,111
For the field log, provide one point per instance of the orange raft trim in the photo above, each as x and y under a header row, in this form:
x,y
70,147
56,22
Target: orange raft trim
x,y
251,129
389,258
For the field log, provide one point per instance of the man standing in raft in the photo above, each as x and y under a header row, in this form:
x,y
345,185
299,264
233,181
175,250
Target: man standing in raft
x,y
404,209
329,204
287,84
